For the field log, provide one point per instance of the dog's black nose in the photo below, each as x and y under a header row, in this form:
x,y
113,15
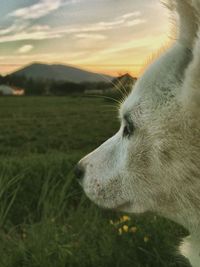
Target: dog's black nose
x,y
79,172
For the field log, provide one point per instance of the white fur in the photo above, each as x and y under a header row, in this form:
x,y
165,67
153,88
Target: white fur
x,y
157,168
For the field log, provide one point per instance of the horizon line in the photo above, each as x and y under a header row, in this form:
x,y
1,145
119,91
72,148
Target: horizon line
x,y
84,66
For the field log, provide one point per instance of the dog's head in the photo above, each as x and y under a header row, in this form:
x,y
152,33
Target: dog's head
x,y
141,167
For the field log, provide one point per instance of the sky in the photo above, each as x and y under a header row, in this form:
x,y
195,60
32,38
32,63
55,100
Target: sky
x,y
107,36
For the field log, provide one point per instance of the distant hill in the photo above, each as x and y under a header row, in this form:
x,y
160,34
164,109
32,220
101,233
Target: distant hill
x,y
38,71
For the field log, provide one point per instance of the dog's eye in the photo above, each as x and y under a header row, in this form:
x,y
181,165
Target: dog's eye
x,y
128,130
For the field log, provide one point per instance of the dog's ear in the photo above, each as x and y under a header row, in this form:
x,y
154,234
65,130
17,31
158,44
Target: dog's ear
x,y
187,25
189,36
191,84
196,5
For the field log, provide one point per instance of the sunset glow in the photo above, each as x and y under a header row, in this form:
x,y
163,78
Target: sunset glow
x,y
107,36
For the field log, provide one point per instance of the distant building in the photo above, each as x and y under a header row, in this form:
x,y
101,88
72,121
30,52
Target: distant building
x,y
18,91
11,90
6,90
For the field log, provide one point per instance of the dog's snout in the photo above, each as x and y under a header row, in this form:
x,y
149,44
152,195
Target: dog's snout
x,y
79,172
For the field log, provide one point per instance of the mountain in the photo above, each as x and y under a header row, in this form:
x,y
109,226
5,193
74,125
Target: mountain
x,y
38,71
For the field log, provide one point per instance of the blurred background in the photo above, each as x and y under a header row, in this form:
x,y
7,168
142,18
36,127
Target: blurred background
x,y
65,65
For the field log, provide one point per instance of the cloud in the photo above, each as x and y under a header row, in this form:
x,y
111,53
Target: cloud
x,y
134,22
7,30
122,21
23,30
41,9
32,35
25,49
150,42
15,27
131,14
91,36
109,25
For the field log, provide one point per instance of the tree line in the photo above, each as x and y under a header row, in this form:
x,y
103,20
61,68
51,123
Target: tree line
x,y
51,87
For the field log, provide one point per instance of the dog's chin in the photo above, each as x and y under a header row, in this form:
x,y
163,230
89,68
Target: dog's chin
x,y
126,207
130,207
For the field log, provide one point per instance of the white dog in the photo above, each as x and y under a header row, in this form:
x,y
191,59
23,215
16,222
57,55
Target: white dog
x,y
153,162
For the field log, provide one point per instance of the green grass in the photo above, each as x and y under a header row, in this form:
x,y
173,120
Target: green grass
x,y
45,219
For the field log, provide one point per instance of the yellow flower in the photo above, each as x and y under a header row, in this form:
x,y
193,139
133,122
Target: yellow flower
x,y
133,229
120,231
125,228
146,239
111,222
125,218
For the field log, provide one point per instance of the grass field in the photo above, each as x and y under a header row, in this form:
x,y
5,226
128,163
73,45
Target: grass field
x,y
45,219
